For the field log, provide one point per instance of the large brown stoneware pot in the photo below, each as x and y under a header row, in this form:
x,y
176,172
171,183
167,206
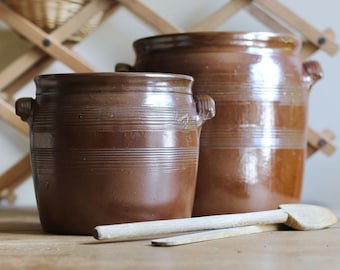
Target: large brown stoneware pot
x,y
252,153
113,147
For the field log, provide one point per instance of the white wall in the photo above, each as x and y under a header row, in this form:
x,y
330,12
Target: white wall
x,y
111,43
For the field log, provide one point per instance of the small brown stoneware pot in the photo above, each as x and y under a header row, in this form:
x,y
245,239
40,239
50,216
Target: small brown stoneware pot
x,y
252,153
113,147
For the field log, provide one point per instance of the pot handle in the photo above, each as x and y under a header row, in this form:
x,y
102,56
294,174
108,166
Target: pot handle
x,y
24,108
313,72
122,67
205,107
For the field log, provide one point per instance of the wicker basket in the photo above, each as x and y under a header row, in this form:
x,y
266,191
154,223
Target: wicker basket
x,y
50,14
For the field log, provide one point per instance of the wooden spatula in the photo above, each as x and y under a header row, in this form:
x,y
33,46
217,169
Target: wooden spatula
x,y
297,216
212,235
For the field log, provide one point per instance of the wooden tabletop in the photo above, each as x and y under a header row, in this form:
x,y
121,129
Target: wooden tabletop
x,y
23,245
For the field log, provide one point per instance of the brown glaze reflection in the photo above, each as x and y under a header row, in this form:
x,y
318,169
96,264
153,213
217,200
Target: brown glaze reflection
x,y
252,153
113,147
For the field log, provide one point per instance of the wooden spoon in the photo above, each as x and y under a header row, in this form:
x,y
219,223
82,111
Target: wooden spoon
x,y
245,230
297,216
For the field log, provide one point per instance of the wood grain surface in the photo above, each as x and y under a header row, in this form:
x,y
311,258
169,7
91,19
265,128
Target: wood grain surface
x,y
24,246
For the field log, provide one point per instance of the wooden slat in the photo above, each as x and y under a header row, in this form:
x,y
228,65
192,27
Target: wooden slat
x,y
309,48
19,66
149,16
320,141
221,15
310,32
7,113
37,36
30,73
8,194
113,7
26,77
16,174
266,19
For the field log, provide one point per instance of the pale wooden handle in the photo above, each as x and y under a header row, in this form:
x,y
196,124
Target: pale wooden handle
x,y
140,230
212,235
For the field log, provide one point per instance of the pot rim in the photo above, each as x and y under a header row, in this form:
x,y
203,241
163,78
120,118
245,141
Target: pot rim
x,y
151,75
277,40
75,83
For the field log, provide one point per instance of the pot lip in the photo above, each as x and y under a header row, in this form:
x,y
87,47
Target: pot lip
x,y
261,35
118,75
213,38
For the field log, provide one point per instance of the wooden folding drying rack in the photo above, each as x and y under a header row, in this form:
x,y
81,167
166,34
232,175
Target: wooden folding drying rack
x,y
56,46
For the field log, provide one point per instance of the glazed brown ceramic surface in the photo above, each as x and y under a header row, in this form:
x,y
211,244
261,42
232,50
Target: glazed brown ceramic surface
x,y
113,147
252,153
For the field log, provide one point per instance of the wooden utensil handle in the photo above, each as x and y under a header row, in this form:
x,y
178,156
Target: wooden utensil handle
x,y
140,230
212,235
